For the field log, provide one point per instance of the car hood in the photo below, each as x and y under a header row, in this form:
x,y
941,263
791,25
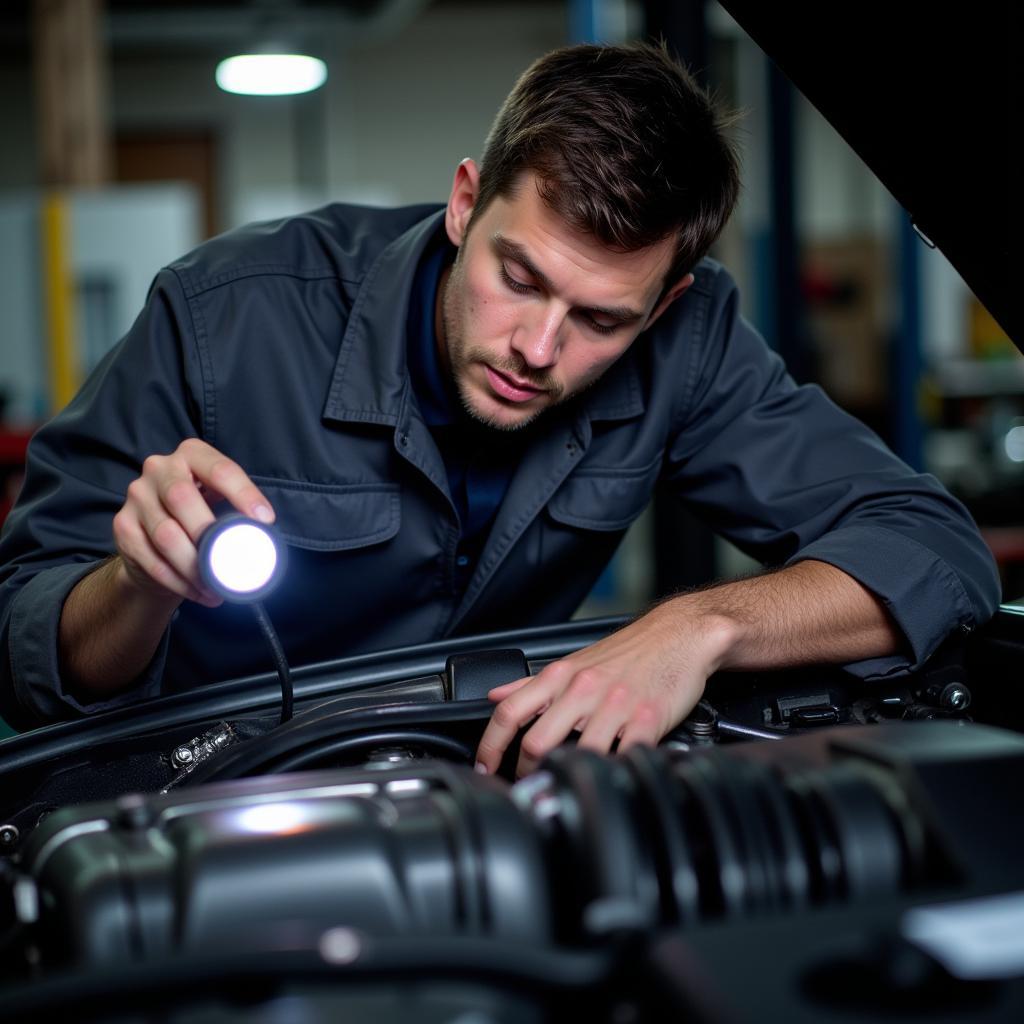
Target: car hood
x,y
930,102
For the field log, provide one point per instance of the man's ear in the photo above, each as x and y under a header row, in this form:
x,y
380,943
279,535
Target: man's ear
x,y
465,189
668,298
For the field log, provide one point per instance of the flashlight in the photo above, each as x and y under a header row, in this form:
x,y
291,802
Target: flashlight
x,y
242,560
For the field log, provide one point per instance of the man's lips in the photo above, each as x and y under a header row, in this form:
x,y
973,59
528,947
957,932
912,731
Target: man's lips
x,y
509,388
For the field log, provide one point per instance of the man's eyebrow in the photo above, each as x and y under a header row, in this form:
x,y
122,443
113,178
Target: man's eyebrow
x,y
514,251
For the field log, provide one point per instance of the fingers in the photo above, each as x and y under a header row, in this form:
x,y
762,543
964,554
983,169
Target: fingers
x,y
222,476
606,705
578,701
531,697
558,701
167,492
144,564
608,722
167,508
642,729
506,689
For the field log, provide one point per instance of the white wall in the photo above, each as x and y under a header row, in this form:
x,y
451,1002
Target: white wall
x,y
124,235
118,239
426,99
396,115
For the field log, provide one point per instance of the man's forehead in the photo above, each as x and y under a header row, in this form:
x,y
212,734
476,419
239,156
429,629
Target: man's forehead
x,y
514,251
522,226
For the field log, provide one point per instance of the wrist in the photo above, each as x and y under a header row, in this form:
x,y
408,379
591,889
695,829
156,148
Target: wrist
x,y
109,628
131,586
716,633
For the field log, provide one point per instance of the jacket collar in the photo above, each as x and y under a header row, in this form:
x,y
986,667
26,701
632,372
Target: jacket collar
x,y
370,376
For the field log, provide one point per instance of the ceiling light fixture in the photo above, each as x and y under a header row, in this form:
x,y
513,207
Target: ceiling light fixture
x,y
271,74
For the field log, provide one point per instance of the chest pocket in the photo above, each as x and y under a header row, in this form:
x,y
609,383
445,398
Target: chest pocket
x,y
604,499
333,517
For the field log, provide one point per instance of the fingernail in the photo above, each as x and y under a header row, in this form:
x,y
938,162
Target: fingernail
x,y
263,514
480,768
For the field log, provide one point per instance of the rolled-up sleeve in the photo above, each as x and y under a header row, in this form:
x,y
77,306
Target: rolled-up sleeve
x,y
786,475
143,398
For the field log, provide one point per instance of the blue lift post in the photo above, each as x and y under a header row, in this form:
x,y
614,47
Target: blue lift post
x,y
585,21
586,25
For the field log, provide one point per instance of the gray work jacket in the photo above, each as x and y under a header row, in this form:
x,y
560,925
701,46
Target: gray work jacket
x,y
284,346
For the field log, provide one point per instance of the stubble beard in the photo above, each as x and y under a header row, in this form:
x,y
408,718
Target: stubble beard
x,y
461,356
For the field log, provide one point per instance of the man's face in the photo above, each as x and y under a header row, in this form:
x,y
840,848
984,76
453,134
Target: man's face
x,y
533,311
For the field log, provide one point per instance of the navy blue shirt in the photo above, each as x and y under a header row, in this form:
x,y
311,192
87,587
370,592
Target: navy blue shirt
x,y
479,460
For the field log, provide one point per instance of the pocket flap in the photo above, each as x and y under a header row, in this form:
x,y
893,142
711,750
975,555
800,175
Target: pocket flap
x,y
597,500
333,517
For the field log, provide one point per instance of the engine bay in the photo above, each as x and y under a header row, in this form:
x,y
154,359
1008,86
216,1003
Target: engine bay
x,y
802,844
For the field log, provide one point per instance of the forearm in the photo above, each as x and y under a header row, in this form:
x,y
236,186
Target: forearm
x,y
634,685
806,613
110,628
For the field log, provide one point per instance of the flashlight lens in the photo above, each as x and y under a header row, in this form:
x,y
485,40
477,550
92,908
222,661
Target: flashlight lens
x,y
243,558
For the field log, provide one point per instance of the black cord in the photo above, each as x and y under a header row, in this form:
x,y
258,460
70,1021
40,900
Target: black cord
x,y
280,661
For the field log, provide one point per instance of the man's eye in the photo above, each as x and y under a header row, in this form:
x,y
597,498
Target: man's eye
x,y
594,325
516,286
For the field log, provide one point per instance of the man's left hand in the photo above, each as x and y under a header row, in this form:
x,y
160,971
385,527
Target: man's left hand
x,y
632,686
637,684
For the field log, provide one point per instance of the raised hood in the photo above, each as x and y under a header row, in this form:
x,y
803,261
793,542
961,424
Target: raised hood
x,y
929,97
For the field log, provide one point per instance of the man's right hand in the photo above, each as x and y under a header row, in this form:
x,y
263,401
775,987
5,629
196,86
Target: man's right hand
x,y
113,619
167,508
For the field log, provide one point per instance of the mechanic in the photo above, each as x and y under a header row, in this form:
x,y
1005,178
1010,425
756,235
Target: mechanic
x,y
452,415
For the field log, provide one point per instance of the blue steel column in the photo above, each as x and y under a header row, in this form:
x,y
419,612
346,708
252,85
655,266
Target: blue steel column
x,y
585,26
585,21
684,551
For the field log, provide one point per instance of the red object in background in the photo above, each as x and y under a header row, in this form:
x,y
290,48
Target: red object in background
x,y
13,446
1005,542
822,287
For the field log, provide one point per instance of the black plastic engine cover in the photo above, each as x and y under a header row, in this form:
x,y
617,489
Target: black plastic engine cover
x,y
707,885
238,865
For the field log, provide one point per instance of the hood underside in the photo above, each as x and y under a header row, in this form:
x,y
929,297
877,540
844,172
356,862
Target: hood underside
x,y
930,102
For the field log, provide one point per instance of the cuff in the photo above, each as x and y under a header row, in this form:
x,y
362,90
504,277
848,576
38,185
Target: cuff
x,y
33,643
921,591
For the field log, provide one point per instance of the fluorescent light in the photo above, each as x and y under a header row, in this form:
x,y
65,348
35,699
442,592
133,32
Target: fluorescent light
x,y
271,74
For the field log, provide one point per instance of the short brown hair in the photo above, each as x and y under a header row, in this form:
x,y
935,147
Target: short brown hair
x,y
626,146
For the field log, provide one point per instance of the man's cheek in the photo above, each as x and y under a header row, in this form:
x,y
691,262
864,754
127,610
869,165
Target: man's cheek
x,y
501,319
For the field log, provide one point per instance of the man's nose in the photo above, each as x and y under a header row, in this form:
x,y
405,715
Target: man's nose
x,y
539,340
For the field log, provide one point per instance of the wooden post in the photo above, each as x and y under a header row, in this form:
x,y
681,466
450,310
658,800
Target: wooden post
x,y
71,94
74,150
